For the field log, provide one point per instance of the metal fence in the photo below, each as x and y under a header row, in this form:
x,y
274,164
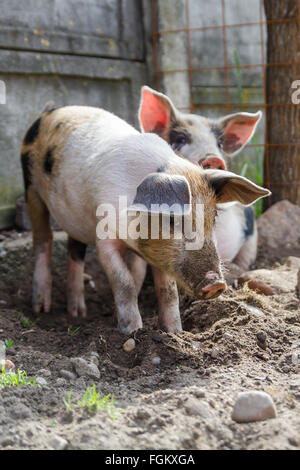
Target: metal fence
x,y
227,67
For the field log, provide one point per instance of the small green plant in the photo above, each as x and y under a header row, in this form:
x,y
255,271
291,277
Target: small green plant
x,y
67,401
8,343
73,332
92,402
25,322
15,379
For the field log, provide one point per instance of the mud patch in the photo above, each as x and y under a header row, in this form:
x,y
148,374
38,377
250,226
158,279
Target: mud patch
x,y
183,400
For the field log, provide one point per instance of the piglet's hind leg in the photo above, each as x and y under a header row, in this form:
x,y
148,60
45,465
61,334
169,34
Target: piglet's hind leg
x,y
75,282
42,244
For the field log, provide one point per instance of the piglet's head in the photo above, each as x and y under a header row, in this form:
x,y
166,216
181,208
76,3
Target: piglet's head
x,y
178,197
203,141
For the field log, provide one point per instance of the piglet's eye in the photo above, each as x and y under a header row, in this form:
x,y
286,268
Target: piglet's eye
x,y
178,141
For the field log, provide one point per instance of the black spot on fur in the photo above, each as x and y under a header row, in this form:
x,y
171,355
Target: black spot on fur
x,y
218,133
76,250
48,163
249,219
32,132
26,167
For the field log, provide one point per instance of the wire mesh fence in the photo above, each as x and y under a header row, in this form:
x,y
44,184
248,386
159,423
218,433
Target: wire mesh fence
x,y
227,65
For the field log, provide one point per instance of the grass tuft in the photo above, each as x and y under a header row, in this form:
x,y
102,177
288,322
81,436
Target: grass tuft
x,y
15,379
92,402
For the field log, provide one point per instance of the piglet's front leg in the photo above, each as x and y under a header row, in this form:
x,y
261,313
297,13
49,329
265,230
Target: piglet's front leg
x,y
111,254
168,302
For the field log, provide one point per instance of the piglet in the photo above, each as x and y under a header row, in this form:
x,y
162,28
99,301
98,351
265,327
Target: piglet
x,y
209,143
78,160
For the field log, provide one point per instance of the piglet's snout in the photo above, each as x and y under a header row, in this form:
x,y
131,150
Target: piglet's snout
x,y
212,286
212,161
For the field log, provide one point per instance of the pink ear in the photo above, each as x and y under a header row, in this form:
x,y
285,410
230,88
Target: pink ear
x,y
154,113
237,131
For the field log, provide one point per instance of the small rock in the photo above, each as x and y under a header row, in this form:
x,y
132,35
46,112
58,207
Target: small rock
x,y
214,353
58,443
95,360
261,336
44,372
94,353
228,336
194,407
67,374
7,364
60,382
199,393
41,381
253,406
156,360
129,345
84,368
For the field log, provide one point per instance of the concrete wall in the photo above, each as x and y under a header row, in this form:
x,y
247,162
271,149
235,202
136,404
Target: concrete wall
x,y
98,52
88,52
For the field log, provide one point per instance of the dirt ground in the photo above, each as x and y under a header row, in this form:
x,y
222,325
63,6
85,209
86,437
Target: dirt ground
x,y
182,401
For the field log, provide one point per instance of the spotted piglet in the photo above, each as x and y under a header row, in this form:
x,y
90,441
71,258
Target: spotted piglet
x,y
208,142
78,159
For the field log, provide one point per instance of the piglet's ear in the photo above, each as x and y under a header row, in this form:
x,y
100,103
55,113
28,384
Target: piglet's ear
x,y
230,187
156,111
163,194
234,131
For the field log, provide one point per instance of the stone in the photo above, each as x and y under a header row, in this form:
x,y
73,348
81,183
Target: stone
x,y
298,284
253,406
194,407
129,345
156,360
41,381
44,372
58,443
7,364
214,353
67,374
84,368
60,382
278,230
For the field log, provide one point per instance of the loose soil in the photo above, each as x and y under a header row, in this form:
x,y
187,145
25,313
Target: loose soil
x,y
184,402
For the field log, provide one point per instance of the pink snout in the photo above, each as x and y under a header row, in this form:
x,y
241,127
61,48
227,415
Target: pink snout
x,y
213,162
214,286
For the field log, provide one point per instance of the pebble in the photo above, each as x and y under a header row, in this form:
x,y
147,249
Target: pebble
x,y
84,368
67,374
60,382
95,360
44,372
253,406
194,407
228,336
41,381
156,360
7,364
129,345
58,443
214,353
